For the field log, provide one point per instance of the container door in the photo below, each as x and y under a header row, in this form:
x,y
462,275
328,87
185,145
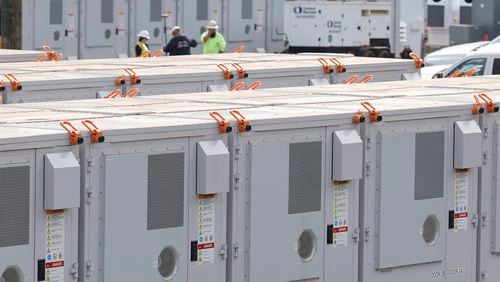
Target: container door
x,y
275,19
246,24
104,30
147,191
17,193
195,16
55,25
147,15
285,211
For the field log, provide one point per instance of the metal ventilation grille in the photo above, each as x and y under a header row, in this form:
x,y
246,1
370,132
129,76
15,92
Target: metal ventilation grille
x,y
14,206
304,177
165,191
429,165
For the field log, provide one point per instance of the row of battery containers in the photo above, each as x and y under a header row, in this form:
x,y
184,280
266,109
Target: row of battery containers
x,y
56,244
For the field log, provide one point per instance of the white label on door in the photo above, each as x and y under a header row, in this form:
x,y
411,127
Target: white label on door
x,y
71,24
206,229
121,23
54,260
340,215
461,200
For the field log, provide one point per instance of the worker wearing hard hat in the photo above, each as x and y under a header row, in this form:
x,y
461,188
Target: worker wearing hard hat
x,y
179,44
213,42
142,47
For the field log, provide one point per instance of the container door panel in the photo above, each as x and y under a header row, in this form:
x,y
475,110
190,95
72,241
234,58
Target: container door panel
x,y
17,258
55,25
195,16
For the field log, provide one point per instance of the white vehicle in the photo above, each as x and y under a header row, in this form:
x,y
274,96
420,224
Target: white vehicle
x,y
452,54
485,61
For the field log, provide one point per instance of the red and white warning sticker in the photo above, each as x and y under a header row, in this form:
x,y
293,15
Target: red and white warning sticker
x,y
341,215
206,229
461,200
54,259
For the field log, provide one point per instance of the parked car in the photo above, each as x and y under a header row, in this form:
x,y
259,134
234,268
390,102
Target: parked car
x,y
485,61
453,54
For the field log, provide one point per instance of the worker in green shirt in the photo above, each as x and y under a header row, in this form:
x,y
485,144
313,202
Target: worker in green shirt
x,y
213,42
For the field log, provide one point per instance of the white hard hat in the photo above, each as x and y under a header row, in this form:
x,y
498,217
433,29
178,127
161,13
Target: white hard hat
x,y
176,28
144,34
212,25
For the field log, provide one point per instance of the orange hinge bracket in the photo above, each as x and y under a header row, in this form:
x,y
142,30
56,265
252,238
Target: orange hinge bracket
x,y
351,79
224,125
134,78
242,73
254,85
244,124
358,118
113,94
327,68
419,63
131,93
478,107
15,85
238,86
96,135
341,68
367,79
374,113
227,73
75,137
491,106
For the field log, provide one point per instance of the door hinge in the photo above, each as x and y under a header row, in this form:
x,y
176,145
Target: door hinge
x,y
223,252
368,141
237,152
355,235
484,218
74,270
90,164
368,168
236,248
236,180
475,220
88,268
484,274
367,234
90,195
485,157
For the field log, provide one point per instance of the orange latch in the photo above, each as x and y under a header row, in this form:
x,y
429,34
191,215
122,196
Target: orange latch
x,y
367,79
224,125
351,79
96,135
134,79
456,74
254,85
113,94
244,124
227,73
471,72
240,49
339,65
51,55
374,114
419,63
242,73
131,93
478,107
238,86
75,137
358,117
120,80
491,106
2,86
15,85
327,68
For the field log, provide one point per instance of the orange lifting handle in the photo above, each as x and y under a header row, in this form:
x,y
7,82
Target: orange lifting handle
x,y
2,86
75,137
327,68
351,79
491,105
244,124
374,114
240,49
15,85
419,63
113,94
134,79
340,66
478,107
224,125
367,79
358,117
120,80
254,85
238,86
227,73
95,133
131,93
242,73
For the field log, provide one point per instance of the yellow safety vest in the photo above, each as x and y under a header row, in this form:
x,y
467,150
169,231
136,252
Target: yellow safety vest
x,y
143,46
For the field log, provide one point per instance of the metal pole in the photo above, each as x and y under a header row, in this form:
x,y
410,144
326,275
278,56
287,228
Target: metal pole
x,y
165,17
